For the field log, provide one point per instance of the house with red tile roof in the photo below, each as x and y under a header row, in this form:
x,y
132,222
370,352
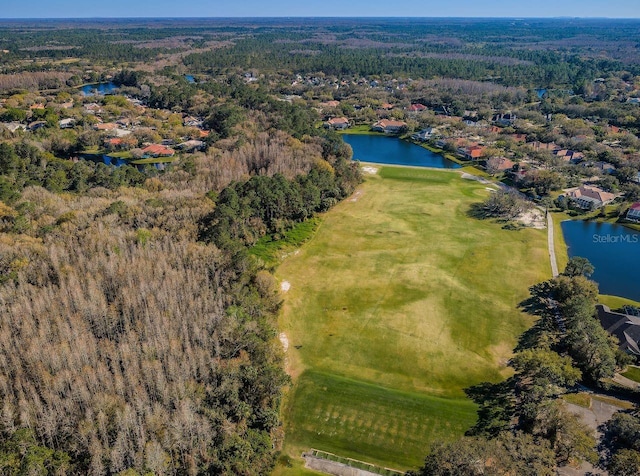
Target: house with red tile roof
x,y
157,150
471,152
500,164
389,126
518,137
337,123
543,146
330,104
633,214
590,196
106,126
114,141
417,108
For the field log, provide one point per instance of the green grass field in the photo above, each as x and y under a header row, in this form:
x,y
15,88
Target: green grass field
x,y
272,252
363,129
398,303
632,373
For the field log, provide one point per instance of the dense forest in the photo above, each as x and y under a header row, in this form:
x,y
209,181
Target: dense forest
x,y
140,347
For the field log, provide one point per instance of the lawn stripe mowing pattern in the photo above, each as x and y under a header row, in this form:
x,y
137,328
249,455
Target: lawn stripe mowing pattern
x,y
400,291
385,424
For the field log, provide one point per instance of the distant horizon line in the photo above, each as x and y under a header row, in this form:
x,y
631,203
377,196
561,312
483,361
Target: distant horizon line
x,y
290,17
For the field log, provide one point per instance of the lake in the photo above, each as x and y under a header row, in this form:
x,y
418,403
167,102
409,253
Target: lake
x,y
614,251
393,151
119,162
98,88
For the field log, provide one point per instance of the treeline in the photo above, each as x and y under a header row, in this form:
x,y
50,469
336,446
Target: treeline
x,y
23,165
265,53
263,205
523,425
33,81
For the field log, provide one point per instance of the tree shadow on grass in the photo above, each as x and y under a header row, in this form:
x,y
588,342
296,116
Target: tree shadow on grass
x,y
542,333
496,402
477,211
537,336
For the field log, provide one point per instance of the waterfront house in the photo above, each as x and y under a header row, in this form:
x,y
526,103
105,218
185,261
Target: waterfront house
x,y
337,123
471,152
589,196
623,326
633,214
157,150
389,126
424,135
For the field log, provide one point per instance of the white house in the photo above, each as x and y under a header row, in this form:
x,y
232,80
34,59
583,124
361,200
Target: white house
x,y
66,123
424,135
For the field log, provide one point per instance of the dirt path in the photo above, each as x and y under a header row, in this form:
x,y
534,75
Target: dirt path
x,y
552,246
625,382
332,467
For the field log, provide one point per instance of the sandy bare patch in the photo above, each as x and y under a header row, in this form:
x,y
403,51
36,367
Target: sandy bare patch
x,y
533,218
284,340
370,170
467,176
285,286
356,196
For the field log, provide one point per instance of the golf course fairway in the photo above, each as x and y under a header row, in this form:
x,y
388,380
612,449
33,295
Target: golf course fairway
x,y
399,302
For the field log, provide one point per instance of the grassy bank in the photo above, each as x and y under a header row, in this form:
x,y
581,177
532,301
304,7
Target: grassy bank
x,y
562,255
398,303
435,150
362,130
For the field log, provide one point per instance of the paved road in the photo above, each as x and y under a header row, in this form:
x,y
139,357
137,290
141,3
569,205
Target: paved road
x,y
552,247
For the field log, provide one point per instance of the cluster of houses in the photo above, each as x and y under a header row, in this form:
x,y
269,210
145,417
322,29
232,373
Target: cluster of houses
x,y
586,196
117,134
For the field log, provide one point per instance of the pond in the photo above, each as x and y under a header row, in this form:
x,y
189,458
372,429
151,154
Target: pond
x,y
105,159
119,162
541,93
614,251
98,88
393,151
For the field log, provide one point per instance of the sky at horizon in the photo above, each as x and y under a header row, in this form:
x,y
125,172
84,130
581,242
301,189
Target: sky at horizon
x,y
327,8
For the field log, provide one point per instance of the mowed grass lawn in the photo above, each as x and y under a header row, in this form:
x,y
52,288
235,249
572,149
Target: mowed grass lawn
x,y
398,303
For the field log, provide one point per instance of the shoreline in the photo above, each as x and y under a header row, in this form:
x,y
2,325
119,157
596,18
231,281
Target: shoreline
x,y
559,239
